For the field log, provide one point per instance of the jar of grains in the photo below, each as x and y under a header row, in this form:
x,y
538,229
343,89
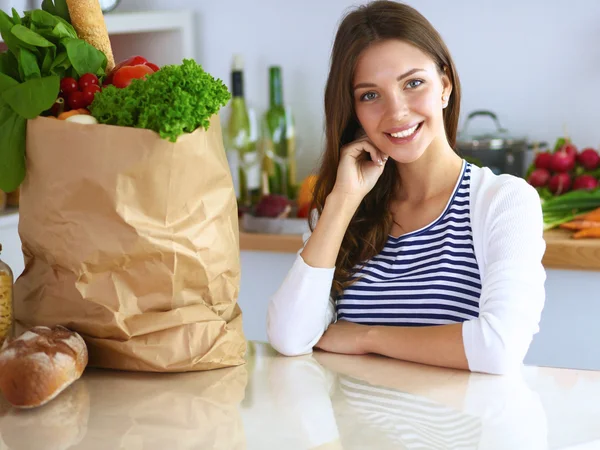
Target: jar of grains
x,y
6,301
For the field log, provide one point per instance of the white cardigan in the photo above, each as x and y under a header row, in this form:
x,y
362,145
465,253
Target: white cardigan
x,y
507,224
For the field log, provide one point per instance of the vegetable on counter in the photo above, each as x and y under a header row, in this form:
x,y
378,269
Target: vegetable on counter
x,y
564,169
572,205
175,100
43,48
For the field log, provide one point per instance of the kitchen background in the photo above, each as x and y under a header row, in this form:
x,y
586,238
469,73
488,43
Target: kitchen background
x,y
533,62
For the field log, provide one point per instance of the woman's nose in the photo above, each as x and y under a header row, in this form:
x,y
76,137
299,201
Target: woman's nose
x,y
397,106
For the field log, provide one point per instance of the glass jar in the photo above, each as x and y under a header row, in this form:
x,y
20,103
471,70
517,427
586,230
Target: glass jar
x,y
6,301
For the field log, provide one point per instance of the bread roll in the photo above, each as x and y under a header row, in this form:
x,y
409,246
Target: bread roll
x,y
40,364
88,21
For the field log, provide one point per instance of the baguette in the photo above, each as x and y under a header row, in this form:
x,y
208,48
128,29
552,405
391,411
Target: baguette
x,y
88,21
40,364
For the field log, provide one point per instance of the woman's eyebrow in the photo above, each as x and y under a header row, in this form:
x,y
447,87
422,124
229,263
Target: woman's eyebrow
x,y
401,77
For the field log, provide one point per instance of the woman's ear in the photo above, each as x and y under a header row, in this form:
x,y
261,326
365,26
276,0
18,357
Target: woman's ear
x,y
446,87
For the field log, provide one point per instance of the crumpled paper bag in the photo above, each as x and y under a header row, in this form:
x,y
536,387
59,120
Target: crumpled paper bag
x,y
133,242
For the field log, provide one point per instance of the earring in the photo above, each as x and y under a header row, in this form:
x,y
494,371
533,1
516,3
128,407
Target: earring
x,y
445,100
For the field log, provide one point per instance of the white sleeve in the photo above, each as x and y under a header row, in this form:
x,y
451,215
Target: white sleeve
x,y
301,309
513,295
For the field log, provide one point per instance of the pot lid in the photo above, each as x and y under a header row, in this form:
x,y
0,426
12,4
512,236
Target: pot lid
x,y
496,140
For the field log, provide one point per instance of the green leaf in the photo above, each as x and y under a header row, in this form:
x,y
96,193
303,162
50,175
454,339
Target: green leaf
x,y
43,19
9,65
29,37
6,82
16,17
84,57
48,6
28,62
63,30
57,8
12,148
48,60
31,98
60,64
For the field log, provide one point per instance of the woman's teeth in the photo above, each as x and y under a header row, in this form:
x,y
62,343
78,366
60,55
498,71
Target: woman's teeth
x,y
405,133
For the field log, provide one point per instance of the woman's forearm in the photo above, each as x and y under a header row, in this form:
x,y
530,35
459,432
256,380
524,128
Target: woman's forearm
x,y
440,345
323,246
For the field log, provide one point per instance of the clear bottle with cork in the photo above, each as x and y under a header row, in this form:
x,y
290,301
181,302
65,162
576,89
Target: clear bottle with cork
x,y
6,301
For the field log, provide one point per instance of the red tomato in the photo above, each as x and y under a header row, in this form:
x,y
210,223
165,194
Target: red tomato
x,y
131,61
153,66
68,85
76,100
89,92
87,79
122,77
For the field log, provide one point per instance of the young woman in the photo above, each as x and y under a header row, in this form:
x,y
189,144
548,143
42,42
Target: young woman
x,y
416,254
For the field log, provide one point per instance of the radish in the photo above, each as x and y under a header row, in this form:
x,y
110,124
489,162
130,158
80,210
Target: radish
x,y
559,183
589,159
539,178
570,149
562,161
543,160
586,182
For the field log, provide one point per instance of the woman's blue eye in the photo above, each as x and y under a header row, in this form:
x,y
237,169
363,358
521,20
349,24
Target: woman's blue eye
x,y
368,96
414,83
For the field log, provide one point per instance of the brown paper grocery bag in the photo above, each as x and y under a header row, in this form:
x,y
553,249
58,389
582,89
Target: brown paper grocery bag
x,y
132,241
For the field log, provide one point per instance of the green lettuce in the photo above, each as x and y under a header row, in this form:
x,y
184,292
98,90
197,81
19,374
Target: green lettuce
x,y
173,101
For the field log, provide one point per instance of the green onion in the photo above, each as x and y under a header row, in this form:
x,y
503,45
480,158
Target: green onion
x,y
566,207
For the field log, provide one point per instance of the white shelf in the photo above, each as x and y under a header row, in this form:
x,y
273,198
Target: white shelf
x,y
147,21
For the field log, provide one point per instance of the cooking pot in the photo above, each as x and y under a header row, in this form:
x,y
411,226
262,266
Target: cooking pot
x,y
498,150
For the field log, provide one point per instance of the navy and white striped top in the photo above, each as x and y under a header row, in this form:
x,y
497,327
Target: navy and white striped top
x,y
427,277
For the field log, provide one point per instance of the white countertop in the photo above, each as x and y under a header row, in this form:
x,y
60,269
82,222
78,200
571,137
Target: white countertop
x,y
319,401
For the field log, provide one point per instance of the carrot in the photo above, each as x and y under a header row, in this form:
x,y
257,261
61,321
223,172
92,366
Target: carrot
x,y
580,224
587,233
593,215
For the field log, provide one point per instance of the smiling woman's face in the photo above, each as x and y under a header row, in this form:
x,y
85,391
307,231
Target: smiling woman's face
x,y
398,94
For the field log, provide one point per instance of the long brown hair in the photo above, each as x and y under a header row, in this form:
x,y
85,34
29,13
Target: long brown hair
x,y
377,21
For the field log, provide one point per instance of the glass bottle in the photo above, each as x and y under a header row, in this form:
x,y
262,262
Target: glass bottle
x,y
6,301
241,141
280,143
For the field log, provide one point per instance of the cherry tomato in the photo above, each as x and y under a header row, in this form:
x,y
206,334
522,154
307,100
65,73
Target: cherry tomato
x,y
68,85
87,79
153,66
76,100
122,77
89,92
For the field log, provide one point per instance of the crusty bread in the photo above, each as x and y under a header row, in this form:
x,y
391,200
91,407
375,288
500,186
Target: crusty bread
x,y
40,364
88,21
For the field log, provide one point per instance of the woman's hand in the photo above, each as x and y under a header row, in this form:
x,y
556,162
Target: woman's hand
x,y
344,337
361,165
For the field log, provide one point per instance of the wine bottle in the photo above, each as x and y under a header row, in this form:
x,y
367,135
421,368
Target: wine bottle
x,y
241,142
280,145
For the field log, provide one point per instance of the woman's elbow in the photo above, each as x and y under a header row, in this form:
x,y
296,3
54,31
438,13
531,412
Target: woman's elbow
x,y
286,344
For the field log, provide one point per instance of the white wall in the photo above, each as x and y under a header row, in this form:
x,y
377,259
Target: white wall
x,y
534,62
